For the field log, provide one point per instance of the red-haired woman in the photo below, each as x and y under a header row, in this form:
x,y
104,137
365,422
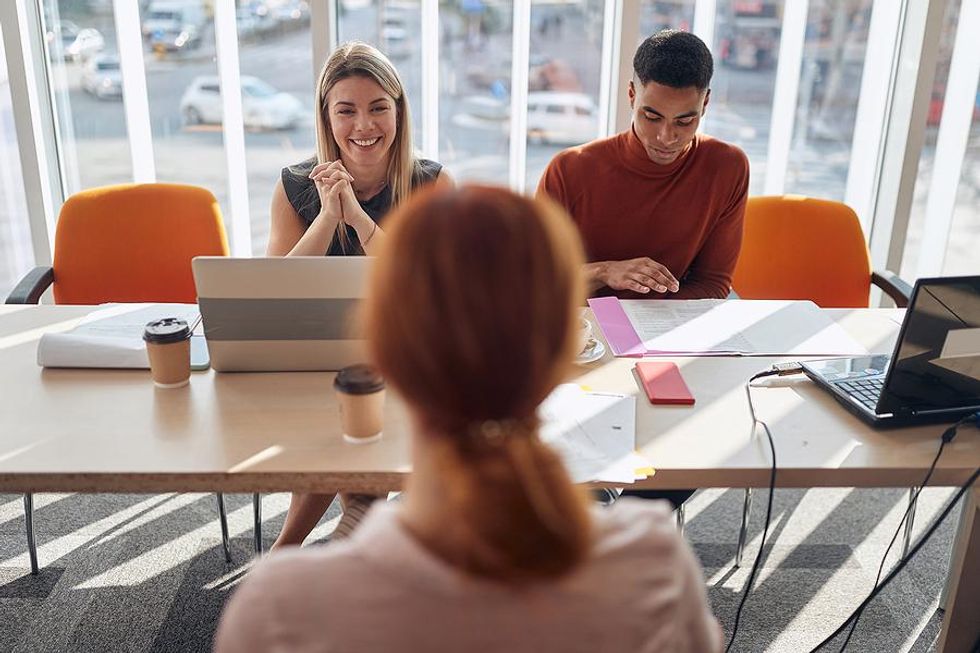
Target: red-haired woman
x,y
492,548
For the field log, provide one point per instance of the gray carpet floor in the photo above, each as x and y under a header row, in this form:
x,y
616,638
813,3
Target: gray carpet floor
x,y
146,572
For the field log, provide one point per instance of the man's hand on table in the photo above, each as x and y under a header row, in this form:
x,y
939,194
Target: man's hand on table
x,y
638,274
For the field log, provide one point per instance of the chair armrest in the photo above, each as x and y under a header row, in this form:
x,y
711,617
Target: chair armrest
x,y
32,286
893,285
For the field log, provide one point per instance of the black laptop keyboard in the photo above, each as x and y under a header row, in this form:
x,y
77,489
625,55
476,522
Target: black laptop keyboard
x,y
865,391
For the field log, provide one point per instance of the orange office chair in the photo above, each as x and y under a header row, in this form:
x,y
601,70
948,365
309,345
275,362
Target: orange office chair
x,y
796,247
128,243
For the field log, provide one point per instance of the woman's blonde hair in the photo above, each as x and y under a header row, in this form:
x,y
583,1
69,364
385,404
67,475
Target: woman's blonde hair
x,y
357,59
472,316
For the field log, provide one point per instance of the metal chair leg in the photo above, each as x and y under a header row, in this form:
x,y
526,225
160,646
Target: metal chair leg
x,y
907,537
223,518
680,518
257,527
743,530
29,521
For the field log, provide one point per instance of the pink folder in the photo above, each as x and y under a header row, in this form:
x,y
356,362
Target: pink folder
x,y
616,327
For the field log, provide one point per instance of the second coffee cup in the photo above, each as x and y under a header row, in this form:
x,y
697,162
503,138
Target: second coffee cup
x,y
361,396
168,346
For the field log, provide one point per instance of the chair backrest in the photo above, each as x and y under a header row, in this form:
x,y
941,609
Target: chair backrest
x,y
134,243
798,247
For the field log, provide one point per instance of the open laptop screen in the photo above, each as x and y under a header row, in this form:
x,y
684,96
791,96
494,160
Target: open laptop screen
x,y
937,362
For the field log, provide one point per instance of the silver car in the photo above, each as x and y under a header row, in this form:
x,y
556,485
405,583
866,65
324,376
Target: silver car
x,y
102,77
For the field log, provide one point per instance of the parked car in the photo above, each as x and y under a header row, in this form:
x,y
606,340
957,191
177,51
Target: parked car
x,y
263,107
394,38
102,76
174,40
292,10
174,24
552,117
248,24
82,44
561,118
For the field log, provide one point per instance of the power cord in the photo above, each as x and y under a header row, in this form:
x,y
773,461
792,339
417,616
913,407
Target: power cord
x,y
780,369
786,369
904,561
947,437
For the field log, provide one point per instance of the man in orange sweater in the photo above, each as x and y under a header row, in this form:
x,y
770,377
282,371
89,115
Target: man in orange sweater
x,y
659,206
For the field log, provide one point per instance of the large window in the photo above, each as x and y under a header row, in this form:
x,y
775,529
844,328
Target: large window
x,y
746,52
84,70
802,87
827,101
563,80
955,207
474,89
16,256
277,69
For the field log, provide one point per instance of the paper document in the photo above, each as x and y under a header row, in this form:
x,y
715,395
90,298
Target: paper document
x,y
111,336
594,433
719,327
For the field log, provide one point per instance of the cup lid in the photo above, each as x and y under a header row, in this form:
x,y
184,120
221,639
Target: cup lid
x,y
166,330
359,380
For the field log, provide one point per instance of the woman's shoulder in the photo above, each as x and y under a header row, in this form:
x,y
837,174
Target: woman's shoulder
x,y
296,176
426,171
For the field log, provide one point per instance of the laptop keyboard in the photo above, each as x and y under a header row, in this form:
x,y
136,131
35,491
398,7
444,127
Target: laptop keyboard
x,y
865,391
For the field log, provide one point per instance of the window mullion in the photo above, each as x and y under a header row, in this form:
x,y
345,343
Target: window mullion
x,y
136,104
33,121
430,79
920,32
785,95
869,128
520,56
233,125
951,142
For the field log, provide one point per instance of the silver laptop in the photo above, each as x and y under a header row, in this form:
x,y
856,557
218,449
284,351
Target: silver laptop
x,y
281,314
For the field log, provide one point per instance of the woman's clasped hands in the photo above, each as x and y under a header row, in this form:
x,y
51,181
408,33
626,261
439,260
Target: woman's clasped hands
x,y
338,203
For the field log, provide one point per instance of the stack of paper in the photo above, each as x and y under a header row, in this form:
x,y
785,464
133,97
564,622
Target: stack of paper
x,y
594,433
111,336
720,327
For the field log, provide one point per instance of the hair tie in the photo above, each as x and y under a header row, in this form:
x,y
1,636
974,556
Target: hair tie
x,y
497,431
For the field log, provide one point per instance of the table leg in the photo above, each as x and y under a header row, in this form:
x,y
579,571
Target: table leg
x,y
257,521
961,623
31,542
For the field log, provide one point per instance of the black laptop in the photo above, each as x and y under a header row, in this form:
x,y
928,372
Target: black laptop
x,y
934,372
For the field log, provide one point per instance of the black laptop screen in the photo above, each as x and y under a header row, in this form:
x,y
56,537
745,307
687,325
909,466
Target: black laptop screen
x,y
937,364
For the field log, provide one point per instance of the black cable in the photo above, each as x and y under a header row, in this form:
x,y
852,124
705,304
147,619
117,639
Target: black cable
x,y
904,561
772,486
947,436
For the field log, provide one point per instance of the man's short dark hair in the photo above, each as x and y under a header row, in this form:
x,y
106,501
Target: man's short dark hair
x,y
674,58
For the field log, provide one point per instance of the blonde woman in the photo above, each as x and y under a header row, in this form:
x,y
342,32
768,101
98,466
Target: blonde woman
x,y
334,203
492,548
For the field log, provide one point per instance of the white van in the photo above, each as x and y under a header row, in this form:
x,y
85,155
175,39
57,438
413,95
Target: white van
x,y
562,118
175,17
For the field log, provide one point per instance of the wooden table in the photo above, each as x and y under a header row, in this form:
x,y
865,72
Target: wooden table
x,y
113,431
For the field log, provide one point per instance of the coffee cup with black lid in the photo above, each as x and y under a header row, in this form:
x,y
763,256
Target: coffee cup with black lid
x,y
168,346
361,396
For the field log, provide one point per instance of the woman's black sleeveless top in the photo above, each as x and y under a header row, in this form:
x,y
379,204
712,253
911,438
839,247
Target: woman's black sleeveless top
x,y
304,199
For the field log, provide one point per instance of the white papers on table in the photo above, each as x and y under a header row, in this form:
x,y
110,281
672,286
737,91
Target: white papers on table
x,y
749,327
111,336
594,433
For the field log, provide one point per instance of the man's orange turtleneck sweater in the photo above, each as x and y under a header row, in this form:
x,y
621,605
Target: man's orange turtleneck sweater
x,y
686,215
